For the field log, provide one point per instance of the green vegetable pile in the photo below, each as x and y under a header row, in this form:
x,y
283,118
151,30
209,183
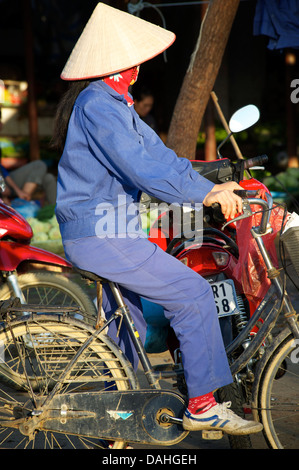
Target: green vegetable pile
x,y
42,231
44,226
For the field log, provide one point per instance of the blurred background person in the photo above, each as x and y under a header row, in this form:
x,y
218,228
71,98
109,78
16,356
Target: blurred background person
x,y
143,104
25,180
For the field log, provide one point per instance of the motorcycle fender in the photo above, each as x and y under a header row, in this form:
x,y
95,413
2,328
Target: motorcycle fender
x,y
13,253
200,258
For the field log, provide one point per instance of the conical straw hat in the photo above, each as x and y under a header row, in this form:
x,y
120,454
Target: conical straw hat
x,y
112,41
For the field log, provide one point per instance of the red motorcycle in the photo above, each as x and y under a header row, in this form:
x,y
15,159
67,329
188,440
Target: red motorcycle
x,y
216,254
33,274
225,255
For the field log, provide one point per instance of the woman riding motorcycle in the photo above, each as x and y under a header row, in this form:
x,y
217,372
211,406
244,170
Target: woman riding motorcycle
x,y
109,157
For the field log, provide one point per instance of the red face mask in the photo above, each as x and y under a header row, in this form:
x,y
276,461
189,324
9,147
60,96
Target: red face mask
x,y
121,81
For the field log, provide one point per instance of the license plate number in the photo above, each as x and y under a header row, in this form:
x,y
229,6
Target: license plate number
x,y
225,297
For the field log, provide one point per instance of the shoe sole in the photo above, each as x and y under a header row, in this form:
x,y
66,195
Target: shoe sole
x,y
234,432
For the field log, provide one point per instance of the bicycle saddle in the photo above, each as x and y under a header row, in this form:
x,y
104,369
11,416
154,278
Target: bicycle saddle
x,y
90,275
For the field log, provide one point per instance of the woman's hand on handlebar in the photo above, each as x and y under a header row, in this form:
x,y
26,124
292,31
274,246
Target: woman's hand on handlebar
x,y
223,194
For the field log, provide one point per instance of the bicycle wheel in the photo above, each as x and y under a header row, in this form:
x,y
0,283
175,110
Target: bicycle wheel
x,y
50,288
233,394
45,344
279,397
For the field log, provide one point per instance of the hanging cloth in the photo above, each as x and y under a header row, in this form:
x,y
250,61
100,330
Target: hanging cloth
x,y
279,20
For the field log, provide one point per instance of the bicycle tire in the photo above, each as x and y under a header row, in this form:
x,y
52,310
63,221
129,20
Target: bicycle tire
x,y
233,394
278,396
50,289
56,339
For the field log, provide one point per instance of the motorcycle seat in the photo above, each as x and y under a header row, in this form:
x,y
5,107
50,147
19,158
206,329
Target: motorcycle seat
x,y
90,275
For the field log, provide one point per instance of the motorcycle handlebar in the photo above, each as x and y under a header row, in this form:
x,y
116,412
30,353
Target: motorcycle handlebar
x,y
243,193
266,207
246,193
255,161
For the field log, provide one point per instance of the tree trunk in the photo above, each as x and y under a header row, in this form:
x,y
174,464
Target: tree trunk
x,y
210,140
200,77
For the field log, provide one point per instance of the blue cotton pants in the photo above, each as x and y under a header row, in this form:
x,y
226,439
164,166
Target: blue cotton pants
x,y
141,267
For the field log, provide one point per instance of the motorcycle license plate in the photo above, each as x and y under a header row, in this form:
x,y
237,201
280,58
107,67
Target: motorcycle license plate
x,y
225,297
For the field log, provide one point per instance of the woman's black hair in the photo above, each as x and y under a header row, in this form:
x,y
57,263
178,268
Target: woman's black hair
x,y
64,111
141,92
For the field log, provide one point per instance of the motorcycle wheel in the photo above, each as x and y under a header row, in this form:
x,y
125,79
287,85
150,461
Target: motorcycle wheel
x,y
53,289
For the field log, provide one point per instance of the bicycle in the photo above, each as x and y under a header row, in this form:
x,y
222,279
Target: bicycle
x,y
56,357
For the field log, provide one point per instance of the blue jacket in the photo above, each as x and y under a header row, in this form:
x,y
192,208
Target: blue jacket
x,y
110,157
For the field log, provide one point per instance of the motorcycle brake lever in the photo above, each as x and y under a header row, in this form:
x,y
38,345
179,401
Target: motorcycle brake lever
x,y
247,212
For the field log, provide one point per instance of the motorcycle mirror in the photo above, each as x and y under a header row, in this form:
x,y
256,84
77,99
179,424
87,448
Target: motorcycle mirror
x,y
243,118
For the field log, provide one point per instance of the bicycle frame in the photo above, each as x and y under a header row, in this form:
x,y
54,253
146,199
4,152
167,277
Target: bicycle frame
x,y
277,287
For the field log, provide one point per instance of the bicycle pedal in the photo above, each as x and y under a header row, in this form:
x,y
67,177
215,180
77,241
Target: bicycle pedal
x,y
212,435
